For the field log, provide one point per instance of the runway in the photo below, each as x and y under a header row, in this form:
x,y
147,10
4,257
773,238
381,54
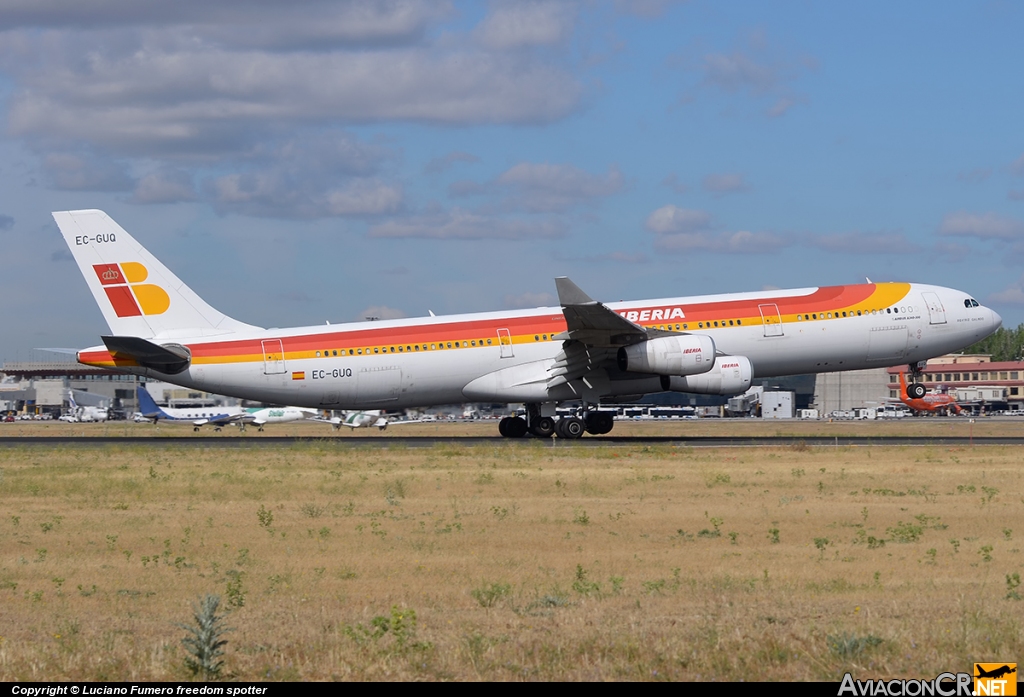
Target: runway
x,y
391,441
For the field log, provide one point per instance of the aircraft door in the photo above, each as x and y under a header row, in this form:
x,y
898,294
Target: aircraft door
x,y
936,312
771,318
505,343
273,357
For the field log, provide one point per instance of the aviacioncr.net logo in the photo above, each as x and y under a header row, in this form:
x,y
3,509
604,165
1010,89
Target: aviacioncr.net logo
x,y
128,295
945,685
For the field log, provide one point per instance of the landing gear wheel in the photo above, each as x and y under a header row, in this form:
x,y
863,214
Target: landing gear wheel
x,y
570,427
516,427
544,427
196,429
599,422
503,425
915,390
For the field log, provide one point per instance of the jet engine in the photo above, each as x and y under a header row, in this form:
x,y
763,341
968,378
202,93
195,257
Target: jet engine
x,y
730,375
688,354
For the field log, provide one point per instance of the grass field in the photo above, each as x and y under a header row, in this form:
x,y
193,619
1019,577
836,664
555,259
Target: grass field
x,y
513,561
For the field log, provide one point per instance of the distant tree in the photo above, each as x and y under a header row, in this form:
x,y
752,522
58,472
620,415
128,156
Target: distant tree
x,y
1004,344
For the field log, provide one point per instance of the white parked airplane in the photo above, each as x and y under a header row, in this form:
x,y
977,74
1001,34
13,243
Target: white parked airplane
x,y
583,350
365,419
219,416
83,414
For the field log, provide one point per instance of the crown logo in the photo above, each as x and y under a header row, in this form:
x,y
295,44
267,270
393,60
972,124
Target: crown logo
x,y
124,286
110,275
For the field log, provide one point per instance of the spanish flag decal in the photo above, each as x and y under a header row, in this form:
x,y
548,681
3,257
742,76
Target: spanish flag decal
x,y
298,375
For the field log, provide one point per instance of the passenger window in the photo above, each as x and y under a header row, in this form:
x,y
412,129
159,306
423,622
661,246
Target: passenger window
x,y
545,337
730,323
700,325
399,349
376,350
686,326
318,354
359,351
449,344
433,347
799,318
488,342
716,323
814,316
417,347
739,321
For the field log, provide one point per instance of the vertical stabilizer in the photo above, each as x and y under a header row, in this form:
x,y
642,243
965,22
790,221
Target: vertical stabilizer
x,y
137,294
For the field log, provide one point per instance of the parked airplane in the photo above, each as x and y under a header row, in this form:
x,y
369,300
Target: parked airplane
x,y
83,414
364,419
919,399
219,416
197,417
583,350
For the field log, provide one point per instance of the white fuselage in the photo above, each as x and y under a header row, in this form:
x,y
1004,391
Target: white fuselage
x,y
506,356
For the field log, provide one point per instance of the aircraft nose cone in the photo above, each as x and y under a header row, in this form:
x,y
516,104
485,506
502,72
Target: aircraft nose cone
x,y
997,321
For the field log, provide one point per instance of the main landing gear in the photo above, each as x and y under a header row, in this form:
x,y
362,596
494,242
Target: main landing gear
x,y
569,427
915,390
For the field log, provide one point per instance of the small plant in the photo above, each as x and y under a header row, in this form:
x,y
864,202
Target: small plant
x,y
849,645
616,582
773,535
733,537
311,510
265,517
579,516
1007,534
583,586
986,553
1012,584
205,640
489,594
932,554
820,543
235,592
905,532
956,545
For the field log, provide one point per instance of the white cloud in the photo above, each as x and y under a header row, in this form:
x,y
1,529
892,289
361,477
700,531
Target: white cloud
x,y
1011,295
85,173
164,186
721,184
670,219
981,225
459,224
545,187
646,9
672,182
522,23
442,164
863,243
206,99
737,71
1015,194
741,242
1018,166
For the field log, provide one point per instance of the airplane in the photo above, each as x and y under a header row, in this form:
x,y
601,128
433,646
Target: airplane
x,y
582,351
83,414
219,416
364,419
197,417
918,399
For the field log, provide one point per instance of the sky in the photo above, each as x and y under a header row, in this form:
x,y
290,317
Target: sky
x,y
303,162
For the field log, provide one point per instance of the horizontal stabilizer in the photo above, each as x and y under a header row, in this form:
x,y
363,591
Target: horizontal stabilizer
x,y
170,359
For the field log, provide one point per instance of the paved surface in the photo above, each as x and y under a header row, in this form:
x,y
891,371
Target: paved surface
x,y
431,441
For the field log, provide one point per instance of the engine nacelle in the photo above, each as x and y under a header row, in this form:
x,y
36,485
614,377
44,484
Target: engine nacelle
x,y
689,354
730,375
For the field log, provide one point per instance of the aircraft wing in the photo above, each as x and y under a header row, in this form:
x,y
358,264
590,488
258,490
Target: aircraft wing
x,y
594,333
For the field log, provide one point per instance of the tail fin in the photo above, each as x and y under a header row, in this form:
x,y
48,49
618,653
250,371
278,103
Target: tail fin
x,y
137,294
147,405
903,388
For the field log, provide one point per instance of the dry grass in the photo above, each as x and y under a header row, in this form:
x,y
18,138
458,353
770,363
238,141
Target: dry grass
x,y
511,562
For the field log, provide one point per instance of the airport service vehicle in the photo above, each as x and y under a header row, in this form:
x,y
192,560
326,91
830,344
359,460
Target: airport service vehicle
x,y
218,417
583,350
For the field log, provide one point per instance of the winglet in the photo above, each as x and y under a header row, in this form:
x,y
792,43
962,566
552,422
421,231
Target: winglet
x,y
571,294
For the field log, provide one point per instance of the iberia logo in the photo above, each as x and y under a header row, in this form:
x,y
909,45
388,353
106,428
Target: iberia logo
x,y
126,291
